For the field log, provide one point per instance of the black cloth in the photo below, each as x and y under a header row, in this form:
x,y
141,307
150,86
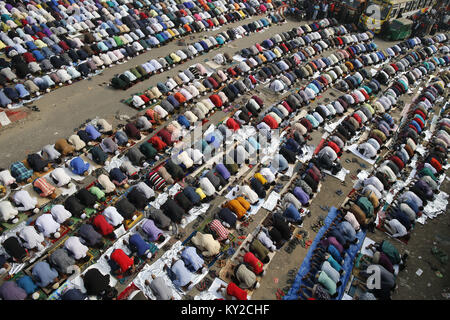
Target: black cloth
x,y
137,198
74,206
132,131
14,248
227,216
36,162
84,136
282,226
299,138
183,201
136,157
86,198
95,282
3,259
223,182
159,218
173,210
258,187
98,155
174,170
276,236
125,208
288,155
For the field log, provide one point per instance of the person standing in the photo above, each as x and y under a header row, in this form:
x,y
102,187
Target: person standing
x,y
324,7
315,10
309,9
331,10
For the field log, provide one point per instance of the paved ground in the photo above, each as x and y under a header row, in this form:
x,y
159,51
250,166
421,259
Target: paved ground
x,y
67,108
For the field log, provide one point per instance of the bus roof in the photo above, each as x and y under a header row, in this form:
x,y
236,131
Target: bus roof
x,y
393,1
398,1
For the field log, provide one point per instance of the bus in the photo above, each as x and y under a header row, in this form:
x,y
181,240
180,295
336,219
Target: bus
x,y
377,12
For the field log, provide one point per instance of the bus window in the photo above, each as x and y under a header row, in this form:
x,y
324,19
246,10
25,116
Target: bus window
x,y
409,6
393,13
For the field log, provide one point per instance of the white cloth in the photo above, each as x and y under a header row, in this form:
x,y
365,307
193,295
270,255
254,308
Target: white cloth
x,y
207,186
32,239
206,244
400,229
375,182
268,174
106,183
266,241
51,152
103,125
184,158
76,141
24,201
196,155
113,216
7,211
249,193
6,178
59,213
60,175
74,245
47,225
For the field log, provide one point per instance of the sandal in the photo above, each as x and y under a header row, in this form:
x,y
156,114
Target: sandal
x,y
292,273
302,243
179,236
288,249
212,274
279,297
308,243
292,245
201,286
281,292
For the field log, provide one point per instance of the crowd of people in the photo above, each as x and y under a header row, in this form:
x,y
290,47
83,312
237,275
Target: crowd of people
x,y
431,22
327,260
114,227
48,43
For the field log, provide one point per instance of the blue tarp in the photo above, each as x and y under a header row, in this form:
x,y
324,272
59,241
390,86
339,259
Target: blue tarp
x,y
348,262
